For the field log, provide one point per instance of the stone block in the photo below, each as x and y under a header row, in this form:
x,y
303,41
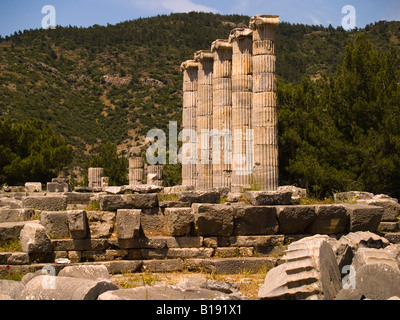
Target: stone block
x,y
78,224
365,256
56,224
18,258
101,224
329,219
162,266
378,281
47,203
364,217
268,198
15,215
188,253
295,219
58,187
91,272
200,196
391,208
388,227
143,243
115,202
179,221
255,220
297,193
145,201
65,288
79,244
128,223
309,261
11,288
154,223
11,203
392,237
231,265
33,187
184,242
76,198
353,196
12,230
34,239
213,219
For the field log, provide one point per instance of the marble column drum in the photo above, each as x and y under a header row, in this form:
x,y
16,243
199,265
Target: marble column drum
x,y
136,171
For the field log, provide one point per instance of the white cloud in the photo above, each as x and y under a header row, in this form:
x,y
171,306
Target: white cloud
x,y
167,6
185,6
314,20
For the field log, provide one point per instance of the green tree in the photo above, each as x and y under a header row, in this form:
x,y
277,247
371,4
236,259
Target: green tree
x,y
31,151
342,132
115,167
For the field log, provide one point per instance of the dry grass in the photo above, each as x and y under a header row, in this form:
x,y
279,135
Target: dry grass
x,y
249,284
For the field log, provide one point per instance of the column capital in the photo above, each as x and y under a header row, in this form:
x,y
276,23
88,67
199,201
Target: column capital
x,y
203,55
262,20
221,44
189,64
238,33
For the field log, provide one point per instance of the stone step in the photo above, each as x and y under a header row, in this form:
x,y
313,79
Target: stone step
x,y
11,230
15,215
216,266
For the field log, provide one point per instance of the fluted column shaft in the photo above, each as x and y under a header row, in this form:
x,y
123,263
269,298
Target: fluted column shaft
x,y
189,156
136,171
222,113
264,119
242,96
95,177
204,119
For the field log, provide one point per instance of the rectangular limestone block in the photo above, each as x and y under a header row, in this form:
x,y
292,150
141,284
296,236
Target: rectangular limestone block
x,y
179,221
128,223
33,187
364,217
255,220
15,215
56,224
49,203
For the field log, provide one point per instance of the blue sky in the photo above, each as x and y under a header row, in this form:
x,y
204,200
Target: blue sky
x,y
27,14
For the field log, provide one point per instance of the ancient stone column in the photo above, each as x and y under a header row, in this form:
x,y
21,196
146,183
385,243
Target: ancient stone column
x,y
155,175
136,171
95,176
204,114
222,113
265,120
242,95
189,123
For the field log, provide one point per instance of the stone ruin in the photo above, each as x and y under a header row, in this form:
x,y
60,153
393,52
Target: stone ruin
x,y
139,228
210,223
231,89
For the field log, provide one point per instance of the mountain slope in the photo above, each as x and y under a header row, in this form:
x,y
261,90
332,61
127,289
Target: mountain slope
x,y
115,83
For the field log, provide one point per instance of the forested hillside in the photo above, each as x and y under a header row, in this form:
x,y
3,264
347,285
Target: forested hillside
x,y
113,84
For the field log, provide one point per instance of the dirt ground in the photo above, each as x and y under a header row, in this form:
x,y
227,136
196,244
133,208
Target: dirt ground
x,y
249,284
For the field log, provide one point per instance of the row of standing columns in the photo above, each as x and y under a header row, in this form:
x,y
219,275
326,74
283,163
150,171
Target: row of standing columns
x,y
229,105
